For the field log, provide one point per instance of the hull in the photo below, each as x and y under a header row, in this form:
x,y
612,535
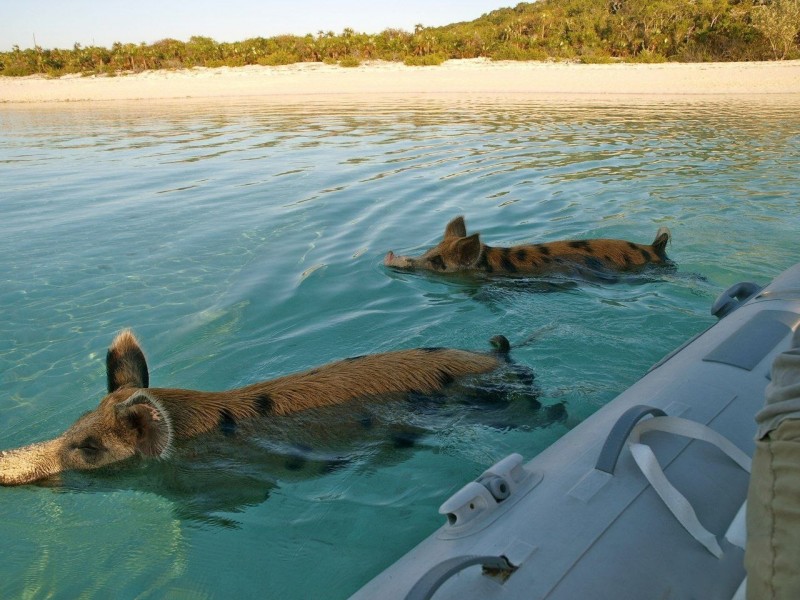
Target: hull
x,y
581,520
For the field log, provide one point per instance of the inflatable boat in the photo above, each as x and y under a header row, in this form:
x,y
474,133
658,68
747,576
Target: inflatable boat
x,y
644,499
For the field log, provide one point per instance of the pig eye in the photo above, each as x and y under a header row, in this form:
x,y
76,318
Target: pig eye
x,y
437,262
89,446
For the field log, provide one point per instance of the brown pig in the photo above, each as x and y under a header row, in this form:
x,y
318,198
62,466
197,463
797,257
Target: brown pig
x,y
135,419
459,252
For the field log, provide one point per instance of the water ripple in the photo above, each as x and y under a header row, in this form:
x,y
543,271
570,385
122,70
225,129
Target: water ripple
x,y
245,241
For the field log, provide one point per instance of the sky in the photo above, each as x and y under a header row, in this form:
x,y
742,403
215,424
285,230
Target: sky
x,y
62,23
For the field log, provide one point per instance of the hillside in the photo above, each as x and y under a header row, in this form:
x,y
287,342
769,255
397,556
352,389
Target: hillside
x,y
582,30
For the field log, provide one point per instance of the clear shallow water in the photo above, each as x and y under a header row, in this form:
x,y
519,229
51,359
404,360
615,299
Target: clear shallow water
x,y
244,242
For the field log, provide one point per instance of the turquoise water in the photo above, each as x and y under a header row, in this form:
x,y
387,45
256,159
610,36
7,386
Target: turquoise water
x,y
245,241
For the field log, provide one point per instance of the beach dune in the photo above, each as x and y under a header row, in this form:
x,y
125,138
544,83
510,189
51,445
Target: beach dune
x,y
318,81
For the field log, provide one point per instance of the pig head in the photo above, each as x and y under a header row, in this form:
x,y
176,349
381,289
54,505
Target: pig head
x,y
456,252
136,420
128,421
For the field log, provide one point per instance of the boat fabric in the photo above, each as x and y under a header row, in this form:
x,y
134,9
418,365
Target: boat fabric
x,y
677,503
772,554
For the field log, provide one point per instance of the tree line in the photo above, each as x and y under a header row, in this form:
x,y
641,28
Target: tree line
x,y
589,31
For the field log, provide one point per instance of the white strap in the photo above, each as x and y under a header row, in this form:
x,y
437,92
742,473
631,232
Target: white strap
x,y
675,501
692,429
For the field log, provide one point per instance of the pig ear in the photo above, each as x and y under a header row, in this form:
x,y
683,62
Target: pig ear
x,y
467,250
150,422
455,228
125,363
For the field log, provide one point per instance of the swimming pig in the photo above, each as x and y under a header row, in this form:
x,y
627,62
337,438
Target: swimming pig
x,y
134,419
458,252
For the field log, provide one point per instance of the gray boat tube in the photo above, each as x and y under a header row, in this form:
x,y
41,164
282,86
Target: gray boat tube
x,y
582,520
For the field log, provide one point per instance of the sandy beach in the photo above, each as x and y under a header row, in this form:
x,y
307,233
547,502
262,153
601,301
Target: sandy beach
x,y
317,81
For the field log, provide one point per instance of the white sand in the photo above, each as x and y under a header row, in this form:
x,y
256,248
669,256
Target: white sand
x,y
773,81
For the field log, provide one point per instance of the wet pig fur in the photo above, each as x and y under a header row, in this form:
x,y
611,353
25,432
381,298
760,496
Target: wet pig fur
x,y
134,419
459,252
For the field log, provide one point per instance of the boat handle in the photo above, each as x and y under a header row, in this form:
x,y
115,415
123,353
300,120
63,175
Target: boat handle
x,y
427,585
615,442
730,299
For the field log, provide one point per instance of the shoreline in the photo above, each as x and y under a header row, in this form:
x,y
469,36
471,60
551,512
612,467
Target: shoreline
x,y
671,82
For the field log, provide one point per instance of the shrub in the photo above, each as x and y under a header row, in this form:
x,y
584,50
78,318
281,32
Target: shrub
x,y
648,56
281,57
779,23
14,71
514,53
350,61
427,60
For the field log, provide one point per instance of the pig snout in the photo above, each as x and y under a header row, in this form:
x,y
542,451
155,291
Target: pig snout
x,y
398,262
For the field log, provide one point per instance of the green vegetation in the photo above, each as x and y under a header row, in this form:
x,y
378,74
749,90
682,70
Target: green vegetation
x,y
425,60
349,61
590,31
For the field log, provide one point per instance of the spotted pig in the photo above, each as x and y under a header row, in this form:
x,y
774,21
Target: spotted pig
x,y
459,252
135,419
